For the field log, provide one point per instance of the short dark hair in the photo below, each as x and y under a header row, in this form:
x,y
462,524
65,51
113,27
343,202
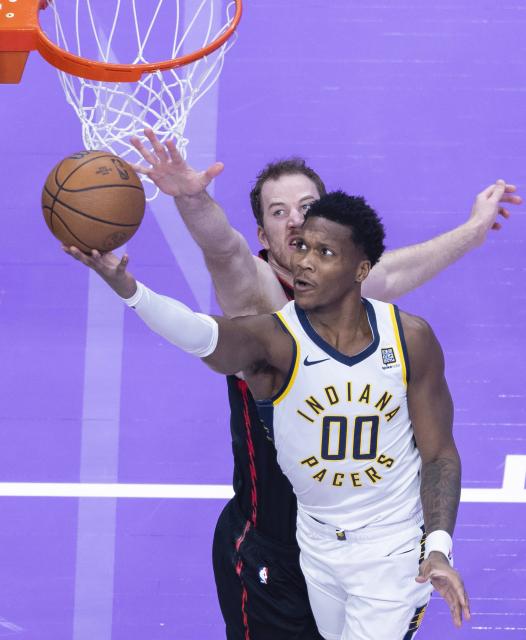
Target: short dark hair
x,y
353,211
274,171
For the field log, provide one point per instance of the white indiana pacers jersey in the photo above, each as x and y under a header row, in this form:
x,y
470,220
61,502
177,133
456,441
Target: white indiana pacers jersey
x,y
341,425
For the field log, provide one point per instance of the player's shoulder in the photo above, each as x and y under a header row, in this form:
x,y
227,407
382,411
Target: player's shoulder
x,y
415,326
269,290
276,342
418,332
265,326
421,341
263,267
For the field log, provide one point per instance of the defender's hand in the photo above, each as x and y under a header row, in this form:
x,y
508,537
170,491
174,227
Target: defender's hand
x,y
109,267
448,583
169,171
489,205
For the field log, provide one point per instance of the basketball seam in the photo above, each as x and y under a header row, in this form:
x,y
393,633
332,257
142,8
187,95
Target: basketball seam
x,y
102,186
71,232
85,215
60,185
54,197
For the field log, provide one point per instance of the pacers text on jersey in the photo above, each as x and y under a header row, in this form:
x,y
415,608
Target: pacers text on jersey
x,y
362,447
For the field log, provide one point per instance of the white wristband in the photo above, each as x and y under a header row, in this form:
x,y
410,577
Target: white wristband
x,y
439,541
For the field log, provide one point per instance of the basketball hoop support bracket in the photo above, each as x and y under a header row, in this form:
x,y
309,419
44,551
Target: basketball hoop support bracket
x,y
18,36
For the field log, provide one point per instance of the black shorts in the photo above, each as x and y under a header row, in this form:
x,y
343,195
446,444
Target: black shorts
x,y
261,589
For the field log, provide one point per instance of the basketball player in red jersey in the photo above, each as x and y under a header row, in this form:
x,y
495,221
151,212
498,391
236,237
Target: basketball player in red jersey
x,y
261,589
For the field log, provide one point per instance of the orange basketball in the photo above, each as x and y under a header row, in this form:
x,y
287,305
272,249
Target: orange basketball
x,y
93,200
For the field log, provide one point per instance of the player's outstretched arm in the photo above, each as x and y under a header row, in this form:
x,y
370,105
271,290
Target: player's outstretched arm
x,y
431,412
403,270
253,344
235,272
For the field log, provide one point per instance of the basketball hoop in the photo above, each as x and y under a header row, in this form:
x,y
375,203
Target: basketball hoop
x,y
124,64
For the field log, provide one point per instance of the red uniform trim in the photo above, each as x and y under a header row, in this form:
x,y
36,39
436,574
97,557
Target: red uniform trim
x,y
243,388
244,592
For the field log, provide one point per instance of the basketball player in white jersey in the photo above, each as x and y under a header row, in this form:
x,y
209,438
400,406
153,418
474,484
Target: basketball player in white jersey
x,y
354,396
260,518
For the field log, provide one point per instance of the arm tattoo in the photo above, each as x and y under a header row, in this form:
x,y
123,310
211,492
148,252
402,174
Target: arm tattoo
x,y
440,493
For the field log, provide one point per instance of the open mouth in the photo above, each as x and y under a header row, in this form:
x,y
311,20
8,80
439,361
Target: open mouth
x,y
302,285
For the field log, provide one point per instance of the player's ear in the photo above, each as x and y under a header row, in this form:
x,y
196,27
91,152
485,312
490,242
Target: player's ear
x,y
262,237
362,271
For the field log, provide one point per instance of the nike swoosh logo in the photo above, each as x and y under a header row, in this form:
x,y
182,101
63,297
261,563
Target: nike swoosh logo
x,y
308,362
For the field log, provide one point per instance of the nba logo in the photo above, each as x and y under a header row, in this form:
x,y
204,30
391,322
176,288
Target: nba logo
x,y
263,575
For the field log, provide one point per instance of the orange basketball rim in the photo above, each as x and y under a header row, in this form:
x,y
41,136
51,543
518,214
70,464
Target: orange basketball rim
x,y
20,33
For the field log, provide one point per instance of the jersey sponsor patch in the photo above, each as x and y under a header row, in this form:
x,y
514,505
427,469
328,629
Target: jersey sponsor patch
x,y
388,356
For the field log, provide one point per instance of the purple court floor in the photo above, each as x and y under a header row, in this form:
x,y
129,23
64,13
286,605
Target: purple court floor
x,y
115,458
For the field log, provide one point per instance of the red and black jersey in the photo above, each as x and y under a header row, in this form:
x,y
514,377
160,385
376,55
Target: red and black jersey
x,y
262,492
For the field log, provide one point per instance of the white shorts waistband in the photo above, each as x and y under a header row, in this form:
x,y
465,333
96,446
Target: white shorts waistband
x,y
365,534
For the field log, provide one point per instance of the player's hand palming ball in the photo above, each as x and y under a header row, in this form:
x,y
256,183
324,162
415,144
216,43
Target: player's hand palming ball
x,y
93,200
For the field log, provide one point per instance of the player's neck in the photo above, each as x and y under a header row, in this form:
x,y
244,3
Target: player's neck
x,y
345,326
283,273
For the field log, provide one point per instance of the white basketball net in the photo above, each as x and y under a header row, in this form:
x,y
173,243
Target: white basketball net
x,y
134,32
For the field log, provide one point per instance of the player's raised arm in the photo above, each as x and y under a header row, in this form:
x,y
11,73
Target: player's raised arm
x,y
239,277
253,344
431,412
403,270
